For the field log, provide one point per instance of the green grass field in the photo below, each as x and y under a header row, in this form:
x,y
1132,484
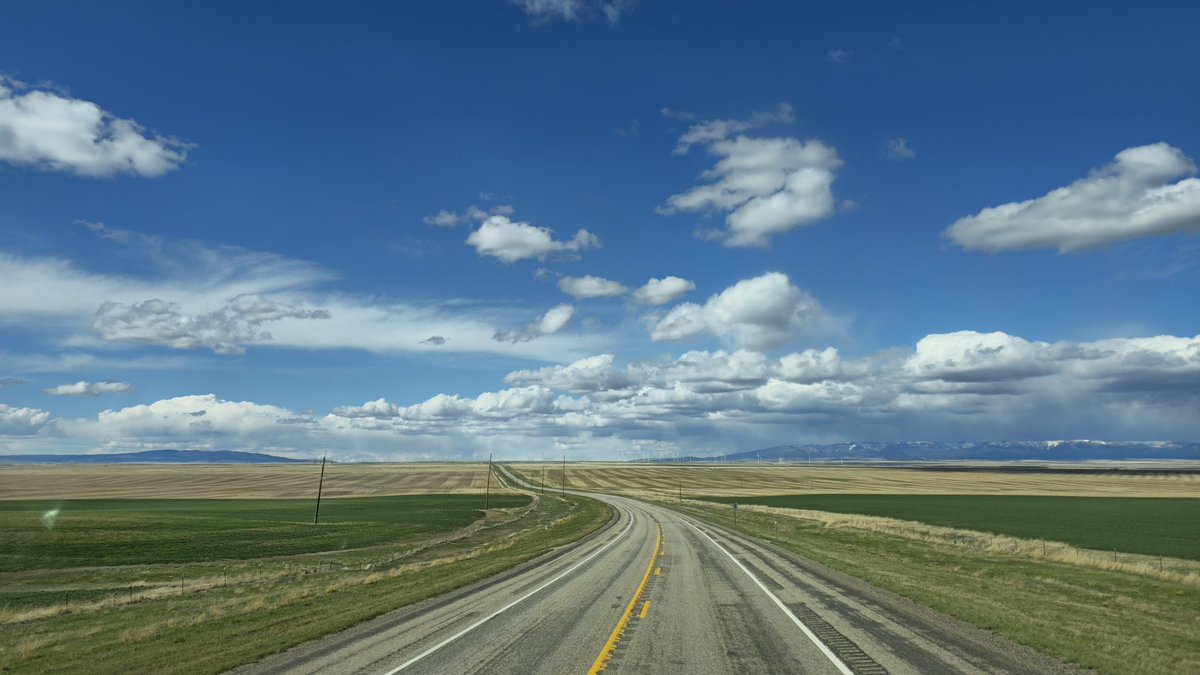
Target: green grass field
x,y
1167,527
151,585
92,533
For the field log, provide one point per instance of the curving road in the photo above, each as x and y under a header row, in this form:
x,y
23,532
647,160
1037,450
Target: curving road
x,y
657,592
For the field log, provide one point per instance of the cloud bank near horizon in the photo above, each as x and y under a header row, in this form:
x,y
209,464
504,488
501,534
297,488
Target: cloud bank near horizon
x,y
946,387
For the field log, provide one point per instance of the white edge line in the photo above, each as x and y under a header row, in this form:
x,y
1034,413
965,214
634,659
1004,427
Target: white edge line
x,y
795,619
512,604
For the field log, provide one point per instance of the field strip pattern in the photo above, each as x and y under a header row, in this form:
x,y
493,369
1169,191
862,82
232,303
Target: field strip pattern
x,y
212,481
663,481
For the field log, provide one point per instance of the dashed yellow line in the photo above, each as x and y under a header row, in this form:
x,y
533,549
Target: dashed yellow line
x,y
602,660
645,608
657,571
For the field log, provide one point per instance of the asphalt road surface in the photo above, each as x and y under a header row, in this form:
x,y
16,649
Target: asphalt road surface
x,y
657,592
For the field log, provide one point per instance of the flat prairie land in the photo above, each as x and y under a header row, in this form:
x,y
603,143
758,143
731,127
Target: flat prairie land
x,y
237,481
151,585
762,480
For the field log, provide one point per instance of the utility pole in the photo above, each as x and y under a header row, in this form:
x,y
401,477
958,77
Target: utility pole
x,y
681,491
543,473
564,484
320,486
487,490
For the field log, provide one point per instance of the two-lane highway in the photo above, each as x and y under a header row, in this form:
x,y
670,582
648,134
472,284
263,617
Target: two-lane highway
x,y
658,592
551,616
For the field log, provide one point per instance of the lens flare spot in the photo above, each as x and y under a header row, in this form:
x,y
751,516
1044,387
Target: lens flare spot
x,y
49,517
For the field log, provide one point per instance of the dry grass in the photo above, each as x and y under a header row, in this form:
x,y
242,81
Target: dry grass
x,y
663,481
29,647
213,481
140,633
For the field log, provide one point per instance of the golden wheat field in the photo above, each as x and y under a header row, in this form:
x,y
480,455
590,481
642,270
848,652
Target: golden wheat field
x,y
732,481
217,481
208,481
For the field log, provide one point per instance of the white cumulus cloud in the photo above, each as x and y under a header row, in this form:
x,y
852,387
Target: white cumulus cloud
x,y
85,388
511,241
378,408
195,421
22,421
592,374
758,313
1135,196
554,320
765,185
662,291
47,130
586,287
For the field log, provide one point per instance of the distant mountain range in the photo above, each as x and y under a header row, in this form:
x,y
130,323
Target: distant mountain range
x,y
993,451
154,457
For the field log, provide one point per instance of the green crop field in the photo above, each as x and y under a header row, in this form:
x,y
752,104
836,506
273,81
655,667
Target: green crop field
x,y
118,586
90,533
1167,527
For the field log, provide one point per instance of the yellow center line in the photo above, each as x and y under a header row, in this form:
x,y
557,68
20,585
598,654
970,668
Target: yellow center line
x,y
645,608
601,660
657,571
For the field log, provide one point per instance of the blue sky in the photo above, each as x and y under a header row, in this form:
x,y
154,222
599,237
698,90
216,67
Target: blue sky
x,y
605,228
